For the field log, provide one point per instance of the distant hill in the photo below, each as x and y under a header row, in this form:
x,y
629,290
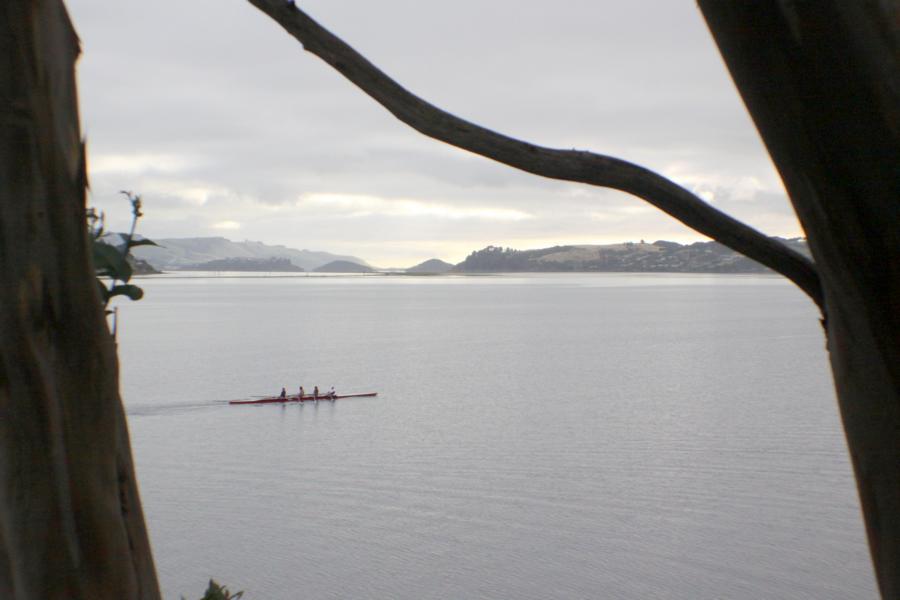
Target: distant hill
x,y
658,257
433,265
344,266
142,267
177,253
269,265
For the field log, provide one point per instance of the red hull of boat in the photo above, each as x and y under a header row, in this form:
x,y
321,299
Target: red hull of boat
x,y
294,398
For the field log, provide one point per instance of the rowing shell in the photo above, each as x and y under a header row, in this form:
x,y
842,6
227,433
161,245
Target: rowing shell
x,y
294,398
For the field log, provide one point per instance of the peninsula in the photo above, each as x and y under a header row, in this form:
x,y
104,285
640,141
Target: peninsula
x,y
630,257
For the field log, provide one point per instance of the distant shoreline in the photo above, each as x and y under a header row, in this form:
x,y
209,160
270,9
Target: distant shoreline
x,y
284,275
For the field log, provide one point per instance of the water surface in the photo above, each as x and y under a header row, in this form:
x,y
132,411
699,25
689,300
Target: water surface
x,y
536,436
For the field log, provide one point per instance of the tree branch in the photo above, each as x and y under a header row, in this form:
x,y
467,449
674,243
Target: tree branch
x,y
568,165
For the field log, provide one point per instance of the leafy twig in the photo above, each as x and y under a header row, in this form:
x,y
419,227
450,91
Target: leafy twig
x,y
219,592
112,262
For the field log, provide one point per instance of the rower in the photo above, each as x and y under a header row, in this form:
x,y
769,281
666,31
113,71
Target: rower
x,y
331,393
283,393
316,392
300,397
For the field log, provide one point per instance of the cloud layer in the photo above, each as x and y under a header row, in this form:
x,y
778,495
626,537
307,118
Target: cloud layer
x,y
226,127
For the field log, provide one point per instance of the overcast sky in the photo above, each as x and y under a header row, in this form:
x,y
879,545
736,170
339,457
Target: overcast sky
x,y
227,128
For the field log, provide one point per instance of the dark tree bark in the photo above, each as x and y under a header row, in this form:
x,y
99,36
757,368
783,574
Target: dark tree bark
x,y
821,80
71,525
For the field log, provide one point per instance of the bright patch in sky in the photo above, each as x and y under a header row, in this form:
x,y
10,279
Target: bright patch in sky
x,y
226,225
136,164
354,205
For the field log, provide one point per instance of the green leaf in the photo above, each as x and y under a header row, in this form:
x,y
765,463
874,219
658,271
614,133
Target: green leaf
x,y
109,262
220,592
142,242
132,291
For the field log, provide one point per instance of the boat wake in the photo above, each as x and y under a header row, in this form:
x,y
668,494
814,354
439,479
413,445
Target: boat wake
x,y
146,410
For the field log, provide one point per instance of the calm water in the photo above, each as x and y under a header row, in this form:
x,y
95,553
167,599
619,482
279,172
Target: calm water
x,y
546,436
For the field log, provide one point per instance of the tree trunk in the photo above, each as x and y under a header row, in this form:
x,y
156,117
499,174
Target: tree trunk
x,y
822,82
71,525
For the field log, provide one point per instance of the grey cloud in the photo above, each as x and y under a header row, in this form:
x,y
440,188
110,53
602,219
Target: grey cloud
x,y
263,122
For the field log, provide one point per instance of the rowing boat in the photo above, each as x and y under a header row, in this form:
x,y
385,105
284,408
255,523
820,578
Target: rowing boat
x,y
295,398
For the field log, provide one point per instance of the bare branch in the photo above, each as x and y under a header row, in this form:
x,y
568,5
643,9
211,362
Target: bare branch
x,y
568,165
